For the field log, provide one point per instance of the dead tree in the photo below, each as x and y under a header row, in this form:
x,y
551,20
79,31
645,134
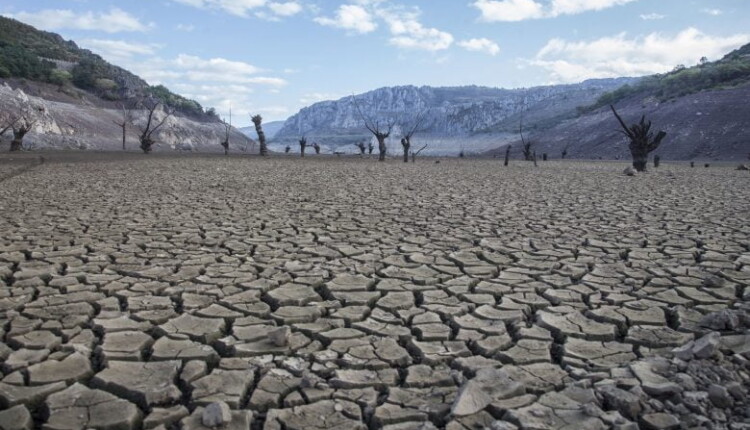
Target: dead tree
x,y
8,127
414,154
152,126
370,148
565,151
227,129
302,146
316,147
406,139
287,149
507,155
20,128
257,121
642,140
125,119
362,148
526,144
225,142
380,131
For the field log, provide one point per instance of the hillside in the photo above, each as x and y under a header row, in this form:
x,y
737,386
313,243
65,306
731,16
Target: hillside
x,y
75,99
475,116
703,109
40,56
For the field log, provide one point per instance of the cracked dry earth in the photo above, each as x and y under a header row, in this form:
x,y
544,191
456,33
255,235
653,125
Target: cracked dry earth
x,y
245,293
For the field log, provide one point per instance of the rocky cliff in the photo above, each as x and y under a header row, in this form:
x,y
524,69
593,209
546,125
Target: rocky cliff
x,y
451,113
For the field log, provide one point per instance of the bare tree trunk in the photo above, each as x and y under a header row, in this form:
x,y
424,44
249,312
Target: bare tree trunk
x,y
257,121
16,145
381,147
123,137
507,155
406,144
640,160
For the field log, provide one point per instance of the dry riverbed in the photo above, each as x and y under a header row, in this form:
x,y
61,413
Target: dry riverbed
x,y
193,291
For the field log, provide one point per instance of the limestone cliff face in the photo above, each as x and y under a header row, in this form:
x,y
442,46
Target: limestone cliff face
x,y
451,111
82,125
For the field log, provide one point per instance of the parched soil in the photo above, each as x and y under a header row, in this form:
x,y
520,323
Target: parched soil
x,y
142,291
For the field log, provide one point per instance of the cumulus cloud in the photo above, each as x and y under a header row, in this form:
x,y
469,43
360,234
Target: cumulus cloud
x,y
619,55
406,30
114,21
521,10
350,17
408,33
480,45
285,9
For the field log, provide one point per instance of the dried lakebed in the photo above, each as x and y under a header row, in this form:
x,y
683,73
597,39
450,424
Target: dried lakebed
x,y
200,291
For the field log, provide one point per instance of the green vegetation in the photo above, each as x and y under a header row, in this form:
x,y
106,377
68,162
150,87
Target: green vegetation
x,y
16,61
28,53
732,70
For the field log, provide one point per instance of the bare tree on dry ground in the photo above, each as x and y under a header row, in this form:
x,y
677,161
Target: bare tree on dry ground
x,y
126,117
152,125
11,123
361,146
409,131
381,131
642,140
257,121
20,126
302,146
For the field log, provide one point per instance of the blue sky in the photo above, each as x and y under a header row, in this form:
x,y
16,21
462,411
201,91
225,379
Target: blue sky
x,y
275,56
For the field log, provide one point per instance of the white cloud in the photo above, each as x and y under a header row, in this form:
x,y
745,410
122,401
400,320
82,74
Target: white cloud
x,y
234,7
264,9
185,27
712,12
621,56
509,10
480,45
114,21
350,17
285,9
118,50
652,16
407,32
521,10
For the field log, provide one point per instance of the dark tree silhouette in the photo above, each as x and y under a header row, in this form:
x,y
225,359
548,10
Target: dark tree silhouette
x,y
565,151
152,126
20,128
370,148
362,147
410,130
126,118
507,154
642,140
257,121
302,146
380,131
316,147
